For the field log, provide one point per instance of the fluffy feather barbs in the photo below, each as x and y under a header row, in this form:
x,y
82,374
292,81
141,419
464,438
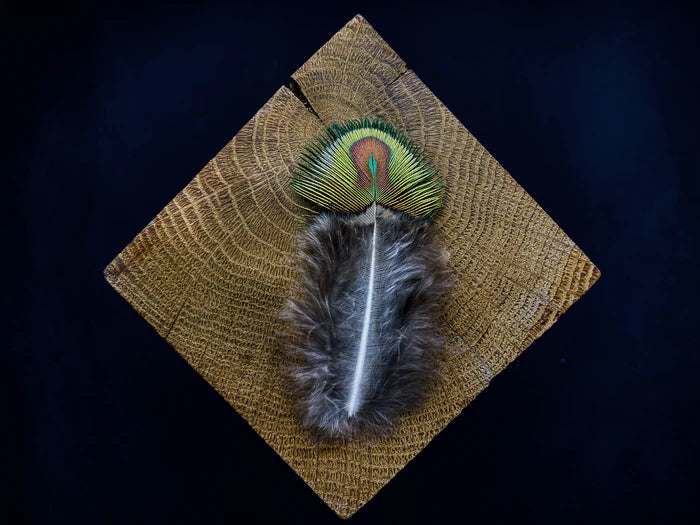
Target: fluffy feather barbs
x,y
340,314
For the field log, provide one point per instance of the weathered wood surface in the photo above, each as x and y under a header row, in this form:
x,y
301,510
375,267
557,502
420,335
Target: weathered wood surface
x,y
213,269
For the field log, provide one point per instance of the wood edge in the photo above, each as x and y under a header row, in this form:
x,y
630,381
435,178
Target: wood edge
x,y
120,263
410,76
357,19
112,271
585,281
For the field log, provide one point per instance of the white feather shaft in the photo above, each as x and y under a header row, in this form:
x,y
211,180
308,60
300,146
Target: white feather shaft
x,y
354,402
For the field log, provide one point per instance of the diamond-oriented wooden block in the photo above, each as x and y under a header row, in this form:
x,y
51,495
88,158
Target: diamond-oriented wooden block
x,y
213,269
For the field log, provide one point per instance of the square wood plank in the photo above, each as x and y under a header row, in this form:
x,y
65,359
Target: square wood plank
x,y
212,270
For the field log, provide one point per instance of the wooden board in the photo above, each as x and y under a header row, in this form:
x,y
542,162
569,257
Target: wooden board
x,y
213,269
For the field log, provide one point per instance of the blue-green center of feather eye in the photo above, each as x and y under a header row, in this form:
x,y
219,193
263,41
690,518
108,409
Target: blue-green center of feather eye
x,y
373,169
373,165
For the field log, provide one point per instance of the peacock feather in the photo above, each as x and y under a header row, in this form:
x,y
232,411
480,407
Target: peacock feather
x,y
355,163
372,277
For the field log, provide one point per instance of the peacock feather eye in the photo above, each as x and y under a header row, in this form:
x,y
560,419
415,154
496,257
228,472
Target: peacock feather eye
x,y
357,162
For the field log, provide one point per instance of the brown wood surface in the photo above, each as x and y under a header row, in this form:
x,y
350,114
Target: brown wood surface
x,y
212,270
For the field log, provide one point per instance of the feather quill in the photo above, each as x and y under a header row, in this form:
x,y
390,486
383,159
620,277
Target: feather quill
x,y
372,279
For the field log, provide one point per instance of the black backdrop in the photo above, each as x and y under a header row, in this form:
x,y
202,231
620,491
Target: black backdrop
x,y
109,113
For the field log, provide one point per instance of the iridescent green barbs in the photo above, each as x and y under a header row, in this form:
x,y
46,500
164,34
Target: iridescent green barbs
x,y
355,163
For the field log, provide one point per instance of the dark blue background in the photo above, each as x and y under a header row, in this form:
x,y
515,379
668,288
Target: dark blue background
x,y
109,113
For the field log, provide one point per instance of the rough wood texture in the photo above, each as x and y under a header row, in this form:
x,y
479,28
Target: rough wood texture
x,y
213,269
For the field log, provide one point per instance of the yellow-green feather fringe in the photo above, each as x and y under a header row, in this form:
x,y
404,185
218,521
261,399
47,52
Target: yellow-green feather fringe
x,y
397,177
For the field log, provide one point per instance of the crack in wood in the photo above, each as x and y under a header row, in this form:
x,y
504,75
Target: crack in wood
x,y
296,90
